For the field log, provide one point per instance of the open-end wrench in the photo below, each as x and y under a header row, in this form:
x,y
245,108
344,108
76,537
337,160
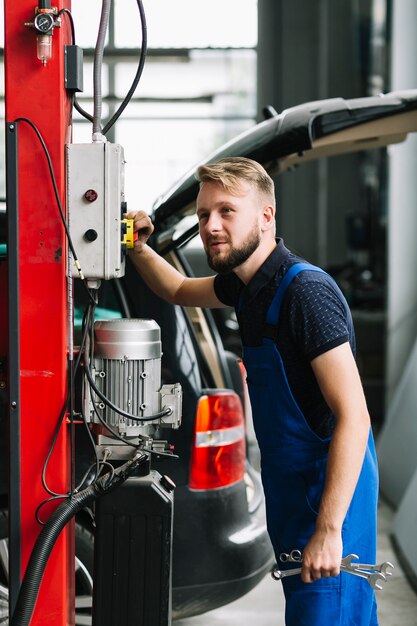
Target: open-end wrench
x,y
375,579
384,568
295,556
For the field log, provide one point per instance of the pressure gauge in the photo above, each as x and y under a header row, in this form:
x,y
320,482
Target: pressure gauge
x,y
44,22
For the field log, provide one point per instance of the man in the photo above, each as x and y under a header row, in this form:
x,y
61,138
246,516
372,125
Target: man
x,y
318,459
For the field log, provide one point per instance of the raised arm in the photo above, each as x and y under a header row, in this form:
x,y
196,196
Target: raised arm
x,y
164,279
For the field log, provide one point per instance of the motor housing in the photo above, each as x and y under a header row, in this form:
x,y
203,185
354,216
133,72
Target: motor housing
x,y
127,371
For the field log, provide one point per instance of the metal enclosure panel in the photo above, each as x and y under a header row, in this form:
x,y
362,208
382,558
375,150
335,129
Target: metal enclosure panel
x,y
95,193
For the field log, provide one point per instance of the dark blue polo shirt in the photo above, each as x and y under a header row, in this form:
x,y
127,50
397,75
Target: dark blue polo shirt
x,y
314,319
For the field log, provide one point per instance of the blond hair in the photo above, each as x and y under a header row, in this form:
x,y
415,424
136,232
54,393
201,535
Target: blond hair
x,y
231,171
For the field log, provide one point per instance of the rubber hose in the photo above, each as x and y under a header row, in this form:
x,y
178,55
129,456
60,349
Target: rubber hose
x,y
49,534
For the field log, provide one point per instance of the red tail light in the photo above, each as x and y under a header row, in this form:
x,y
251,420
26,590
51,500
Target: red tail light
x,y
219,454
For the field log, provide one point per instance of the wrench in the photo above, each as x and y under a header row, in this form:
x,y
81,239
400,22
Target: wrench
x,y
295,556
384,568
277,574
375,579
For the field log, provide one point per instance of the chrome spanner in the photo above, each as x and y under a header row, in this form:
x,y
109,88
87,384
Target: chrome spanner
x,y
295,556
384,568
374,579
277,574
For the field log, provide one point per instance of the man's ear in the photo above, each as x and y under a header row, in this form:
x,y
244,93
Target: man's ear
x,y
268,217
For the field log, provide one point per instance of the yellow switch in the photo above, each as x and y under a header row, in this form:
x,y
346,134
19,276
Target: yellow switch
x,y
128,234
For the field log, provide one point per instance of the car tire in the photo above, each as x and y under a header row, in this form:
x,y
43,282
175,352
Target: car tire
x,y
84,542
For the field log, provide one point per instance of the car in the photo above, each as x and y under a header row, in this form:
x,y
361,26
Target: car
x,y
221,549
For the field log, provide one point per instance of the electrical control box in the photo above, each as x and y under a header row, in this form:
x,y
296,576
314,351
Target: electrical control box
x,y
95,205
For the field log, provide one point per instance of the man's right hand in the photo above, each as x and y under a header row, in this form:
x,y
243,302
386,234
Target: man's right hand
x,y
143,226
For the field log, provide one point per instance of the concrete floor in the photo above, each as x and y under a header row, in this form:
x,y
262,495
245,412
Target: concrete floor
x,y
264,605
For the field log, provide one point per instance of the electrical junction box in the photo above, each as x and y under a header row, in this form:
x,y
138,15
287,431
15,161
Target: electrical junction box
x,y
95,206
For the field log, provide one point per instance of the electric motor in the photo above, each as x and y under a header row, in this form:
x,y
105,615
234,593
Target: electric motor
x,y
127,376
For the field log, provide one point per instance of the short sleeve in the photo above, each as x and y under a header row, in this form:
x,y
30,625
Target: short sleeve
x,y
227,288
319,317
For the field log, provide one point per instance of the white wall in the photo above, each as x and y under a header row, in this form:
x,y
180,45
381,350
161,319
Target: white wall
x,y
402,218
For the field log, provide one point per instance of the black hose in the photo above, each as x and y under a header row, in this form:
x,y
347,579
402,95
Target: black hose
x,y
49,534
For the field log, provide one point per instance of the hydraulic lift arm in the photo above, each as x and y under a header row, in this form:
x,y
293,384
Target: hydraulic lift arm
x,y
38,334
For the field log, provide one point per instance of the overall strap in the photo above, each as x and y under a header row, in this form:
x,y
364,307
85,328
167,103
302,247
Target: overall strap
x,y
272,315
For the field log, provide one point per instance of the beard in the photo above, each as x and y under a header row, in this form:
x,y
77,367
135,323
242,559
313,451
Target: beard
x,y
236,256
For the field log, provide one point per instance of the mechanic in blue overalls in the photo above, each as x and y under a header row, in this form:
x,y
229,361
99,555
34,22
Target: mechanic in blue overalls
x,y
318,461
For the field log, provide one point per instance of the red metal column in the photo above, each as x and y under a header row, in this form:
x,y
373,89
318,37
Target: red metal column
x,y
38,93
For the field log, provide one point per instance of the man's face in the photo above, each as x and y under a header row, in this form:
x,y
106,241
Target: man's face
x,y
229,224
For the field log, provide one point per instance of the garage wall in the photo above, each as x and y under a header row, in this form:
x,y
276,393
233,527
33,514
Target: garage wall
x,y
402,249
309,51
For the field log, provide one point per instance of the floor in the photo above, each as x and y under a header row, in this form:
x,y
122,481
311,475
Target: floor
x,y
264,605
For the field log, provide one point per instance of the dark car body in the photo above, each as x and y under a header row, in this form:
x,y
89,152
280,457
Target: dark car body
x,y
221,548
306,132
220,545
309,131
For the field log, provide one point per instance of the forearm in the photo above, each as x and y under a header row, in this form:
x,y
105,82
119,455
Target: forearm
x,y
169,284
346,454
324,551
158,274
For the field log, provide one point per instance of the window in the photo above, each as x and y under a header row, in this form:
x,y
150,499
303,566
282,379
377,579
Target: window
x,y
197,88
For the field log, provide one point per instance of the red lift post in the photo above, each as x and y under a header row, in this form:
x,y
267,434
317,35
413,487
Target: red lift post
x,y
38,303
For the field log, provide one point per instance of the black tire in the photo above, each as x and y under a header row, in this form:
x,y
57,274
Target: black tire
x,y
84,545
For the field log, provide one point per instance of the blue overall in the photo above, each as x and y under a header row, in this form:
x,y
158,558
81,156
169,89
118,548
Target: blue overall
x,y
293,465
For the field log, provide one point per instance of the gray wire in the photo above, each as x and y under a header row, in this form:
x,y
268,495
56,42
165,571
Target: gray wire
x,y
98,63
